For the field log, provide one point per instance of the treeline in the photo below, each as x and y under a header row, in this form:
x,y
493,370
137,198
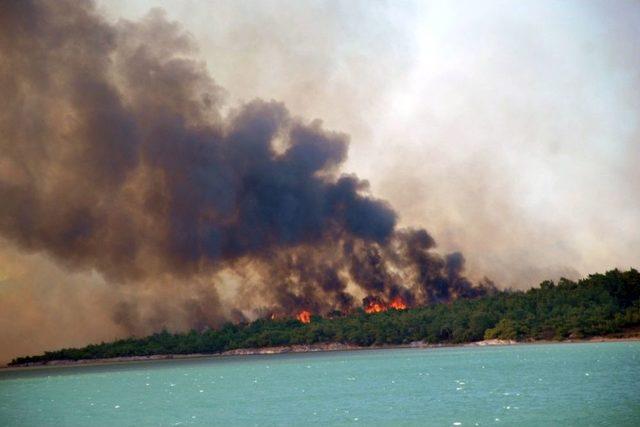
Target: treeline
x,y
601,304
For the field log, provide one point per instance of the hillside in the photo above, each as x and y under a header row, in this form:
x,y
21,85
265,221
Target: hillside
x,y
601,304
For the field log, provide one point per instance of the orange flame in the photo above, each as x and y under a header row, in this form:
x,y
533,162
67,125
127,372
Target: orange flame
x,y
398,303
304,316
375,307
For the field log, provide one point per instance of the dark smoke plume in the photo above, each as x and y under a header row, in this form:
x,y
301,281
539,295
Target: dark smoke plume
x,y
116,156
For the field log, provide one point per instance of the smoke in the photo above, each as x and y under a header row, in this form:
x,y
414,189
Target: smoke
x,y
117,158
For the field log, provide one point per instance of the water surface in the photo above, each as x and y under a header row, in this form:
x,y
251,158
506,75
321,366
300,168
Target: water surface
x,y
532,385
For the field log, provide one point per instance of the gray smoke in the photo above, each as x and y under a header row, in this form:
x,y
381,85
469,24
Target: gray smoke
x,y
116,157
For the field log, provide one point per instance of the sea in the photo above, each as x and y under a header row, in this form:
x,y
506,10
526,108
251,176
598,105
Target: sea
x,y
579,384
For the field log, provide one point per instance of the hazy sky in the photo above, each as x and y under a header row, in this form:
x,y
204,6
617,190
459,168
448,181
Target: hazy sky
x,y
507,129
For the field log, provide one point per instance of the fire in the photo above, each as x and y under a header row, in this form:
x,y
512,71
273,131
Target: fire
x,y
304,316
374,305
398,303
377,305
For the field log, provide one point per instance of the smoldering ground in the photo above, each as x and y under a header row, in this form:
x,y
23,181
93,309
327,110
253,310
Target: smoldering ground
x,y
118,165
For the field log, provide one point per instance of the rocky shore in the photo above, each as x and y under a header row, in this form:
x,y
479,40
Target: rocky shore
x,y
315,348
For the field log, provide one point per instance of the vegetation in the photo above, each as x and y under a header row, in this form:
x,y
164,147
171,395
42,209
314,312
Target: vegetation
x,y
601,304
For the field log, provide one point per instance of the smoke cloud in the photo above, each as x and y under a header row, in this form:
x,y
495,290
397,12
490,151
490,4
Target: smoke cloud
x,y
118,163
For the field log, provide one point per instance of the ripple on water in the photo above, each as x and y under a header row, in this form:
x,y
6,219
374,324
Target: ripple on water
x,y
347,388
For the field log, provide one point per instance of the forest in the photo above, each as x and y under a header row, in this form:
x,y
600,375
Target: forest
x,y
599,305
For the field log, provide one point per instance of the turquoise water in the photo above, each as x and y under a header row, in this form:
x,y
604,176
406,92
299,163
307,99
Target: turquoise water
x,y
557,384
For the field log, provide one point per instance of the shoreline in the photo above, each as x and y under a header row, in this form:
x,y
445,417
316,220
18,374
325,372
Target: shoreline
x,y
302,348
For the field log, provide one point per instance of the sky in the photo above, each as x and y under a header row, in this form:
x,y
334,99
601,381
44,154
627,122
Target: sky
x,y
508,130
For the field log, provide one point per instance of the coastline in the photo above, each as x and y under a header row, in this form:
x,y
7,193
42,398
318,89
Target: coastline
x,y
311,348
